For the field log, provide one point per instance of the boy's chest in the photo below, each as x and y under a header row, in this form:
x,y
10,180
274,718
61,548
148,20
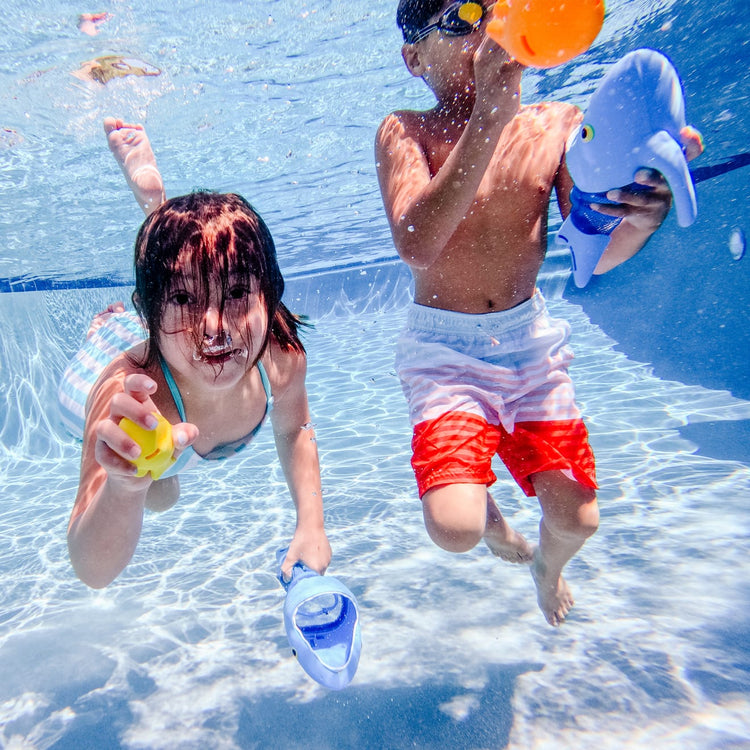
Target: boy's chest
x,y
528,155
526,160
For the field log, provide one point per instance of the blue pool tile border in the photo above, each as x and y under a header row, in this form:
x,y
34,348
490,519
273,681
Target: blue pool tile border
x,y
345,289
20,284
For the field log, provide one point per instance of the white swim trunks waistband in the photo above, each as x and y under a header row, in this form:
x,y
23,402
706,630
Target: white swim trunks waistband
x,y
449,321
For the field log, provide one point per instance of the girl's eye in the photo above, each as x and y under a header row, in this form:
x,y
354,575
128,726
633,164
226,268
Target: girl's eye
x,y
180,298
239,292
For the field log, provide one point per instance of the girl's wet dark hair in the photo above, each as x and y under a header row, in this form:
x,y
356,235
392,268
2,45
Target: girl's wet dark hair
x,y
413,15
211,239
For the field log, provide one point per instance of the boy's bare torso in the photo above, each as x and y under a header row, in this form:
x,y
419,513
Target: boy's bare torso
x,y
492,260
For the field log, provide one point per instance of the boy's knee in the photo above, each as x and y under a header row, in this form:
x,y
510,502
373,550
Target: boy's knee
x,y
455,522
586,522
452,538
570,508
579,522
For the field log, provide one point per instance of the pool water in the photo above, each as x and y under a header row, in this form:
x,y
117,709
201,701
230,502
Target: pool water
x,y
187,649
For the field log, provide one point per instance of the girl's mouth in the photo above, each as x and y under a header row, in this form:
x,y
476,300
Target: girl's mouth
x,y
217,350
217,358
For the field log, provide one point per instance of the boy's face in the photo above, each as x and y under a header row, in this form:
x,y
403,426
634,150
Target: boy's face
x,y
445,60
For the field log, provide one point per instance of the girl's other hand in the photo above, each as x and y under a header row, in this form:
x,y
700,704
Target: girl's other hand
x,y
310,548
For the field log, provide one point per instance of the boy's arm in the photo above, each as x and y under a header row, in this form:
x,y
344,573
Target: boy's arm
x,y
298,454
423,210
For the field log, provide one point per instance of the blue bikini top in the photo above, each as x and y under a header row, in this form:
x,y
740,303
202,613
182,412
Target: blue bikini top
x,y
189,459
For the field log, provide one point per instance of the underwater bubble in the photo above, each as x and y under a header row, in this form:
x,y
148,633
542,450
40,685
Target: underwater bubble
x,y
737,243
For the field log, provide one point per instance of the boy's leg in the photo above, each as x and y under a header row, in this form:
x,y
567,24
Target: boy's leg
x,y
570,515
503,541
132,150
458,516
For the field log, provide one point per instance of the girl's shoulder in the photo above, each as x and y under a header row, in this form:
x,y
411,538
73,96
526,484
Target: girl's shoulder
x,y
284,367
126,363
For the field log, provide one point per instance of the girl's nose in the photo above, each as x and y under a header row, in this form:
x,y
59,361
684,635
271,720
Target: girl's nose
x,y
212,323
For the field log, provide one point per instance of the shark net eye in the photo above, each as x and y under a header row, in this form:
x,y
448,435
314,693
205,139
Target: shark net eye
x,y
587,133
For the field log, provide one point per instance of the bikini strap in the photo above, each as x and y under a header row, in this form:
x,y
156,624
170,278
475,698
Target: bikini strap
x,y
173,389
266,386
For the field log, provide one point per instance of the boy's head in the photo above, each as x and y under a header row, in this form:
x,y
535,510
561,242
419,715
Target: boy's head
x,y
414,15
440,38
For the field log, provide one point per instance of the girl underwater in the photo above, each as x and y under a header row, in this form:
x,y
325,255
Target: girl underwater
x,y
212,349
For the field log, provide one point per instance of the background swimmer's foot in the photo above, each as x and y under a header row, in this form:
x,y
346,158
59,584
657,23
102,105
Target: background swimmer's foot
x,y
89,23
553,596
132,150
99,319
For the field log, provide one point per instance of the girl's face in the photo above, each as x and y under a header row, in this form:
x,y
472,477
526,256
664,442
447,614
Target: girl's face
x,y
217,343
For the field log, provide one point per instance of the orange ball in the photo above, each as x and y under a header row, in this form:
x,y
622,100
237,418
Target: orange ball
x,y
545,33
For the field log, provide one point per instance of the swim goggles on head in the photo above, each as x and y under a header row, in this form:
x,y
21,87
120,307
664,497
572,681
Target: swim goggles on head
x,y
458,19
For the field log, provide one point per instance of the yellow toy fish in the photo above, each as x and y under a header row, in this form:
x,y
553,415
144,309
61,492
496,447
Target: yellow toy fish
x,y
156,446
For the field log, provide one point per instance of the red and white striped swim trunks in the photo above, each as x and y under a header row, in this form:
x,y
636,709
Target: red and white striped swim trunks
x,y
492,383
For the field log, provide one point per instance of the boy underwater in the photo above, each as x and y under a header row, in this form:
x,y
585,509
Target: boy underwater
x,y
466,187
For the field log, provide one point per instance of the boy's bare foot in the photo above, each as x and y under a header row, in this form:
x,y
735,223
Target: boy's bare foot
x,y
553,596
503,541
132,150
99,319
509,545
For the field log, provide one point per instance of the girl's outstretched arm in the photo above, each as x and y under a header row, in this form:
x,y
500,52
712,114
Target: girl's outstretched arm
x,y
298,453
108,513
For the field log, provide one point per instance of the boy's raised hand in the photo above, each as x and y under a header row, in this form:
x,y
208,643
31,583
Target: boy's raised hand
x,y
494,74
645,210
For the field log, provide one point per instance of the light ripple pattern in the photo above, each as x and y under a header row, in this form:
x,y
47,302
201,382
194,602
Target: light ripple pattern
x,y
187,649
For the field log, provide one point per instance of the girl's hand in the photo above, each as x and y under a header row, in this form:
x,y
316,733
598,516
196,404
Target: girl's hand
x,y
310,548
115,449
